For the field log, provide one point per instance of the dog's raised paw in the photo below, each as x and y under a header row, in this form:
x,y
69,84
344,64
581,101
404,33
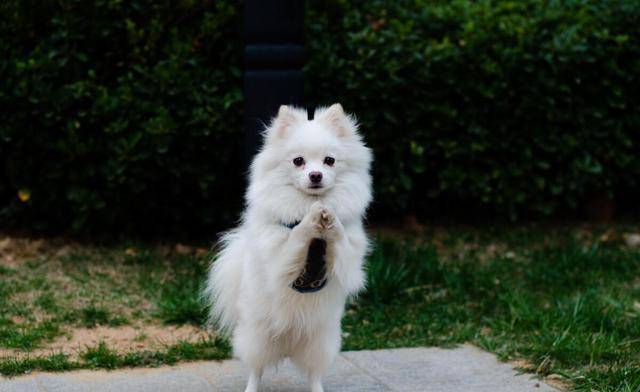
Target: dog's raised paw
x,y
324,220
321,217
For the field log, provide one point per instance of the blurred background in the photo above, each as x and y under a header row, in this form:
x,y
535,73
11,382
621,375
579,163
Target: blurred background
x,y
125,118
506,137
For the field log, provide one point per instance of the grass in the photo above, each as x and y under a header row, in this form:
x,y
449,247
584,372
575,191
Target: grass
x,y
180,301
103,357
567,306
93,315
47,294
563,302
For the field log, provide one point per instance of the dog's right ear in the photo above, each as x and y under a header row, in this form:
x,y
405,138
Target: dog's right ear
x,y
287,117
342,124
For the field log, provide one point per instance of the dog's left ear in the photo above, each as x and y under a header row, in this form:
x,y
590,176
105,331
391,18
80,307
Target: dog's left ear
x,y
337,120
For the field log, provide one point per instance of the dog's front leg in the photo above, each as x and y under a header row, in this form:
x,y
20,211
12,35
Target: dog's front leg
x,y
292,259
347,248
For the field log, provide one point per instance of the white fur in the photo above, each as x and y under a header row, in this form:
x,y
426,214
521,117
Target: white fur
x,y
249,285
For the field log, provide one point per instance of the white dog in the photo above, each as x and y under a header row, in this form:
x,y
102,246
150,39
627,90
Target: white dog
x,y
310,181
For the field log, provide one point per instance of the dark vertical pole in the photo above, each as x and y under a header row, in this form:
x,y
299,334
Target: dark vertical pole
x,y
274,55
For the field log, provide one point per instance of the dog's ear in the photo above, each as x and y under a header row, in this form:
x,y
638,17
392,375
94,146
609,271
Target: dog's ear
x,y
337,120
286,118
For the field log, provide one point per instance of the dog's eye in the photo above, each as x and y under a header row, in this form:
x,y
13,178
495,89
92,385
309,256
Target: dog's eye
x,y
329,161
299,161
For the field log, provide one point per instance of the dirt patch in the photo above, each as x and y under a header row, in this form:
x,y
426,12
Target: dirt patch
x,y
558,382
122,339
83,295
14,251
555,380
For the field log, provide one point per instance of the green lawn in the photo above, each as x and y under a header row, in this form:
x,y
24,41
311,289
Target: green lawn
x,y
562,302
569,306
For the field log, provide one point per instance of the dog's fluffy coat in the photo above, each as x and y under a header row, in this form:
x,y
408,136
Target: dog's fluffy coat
x,y
249,284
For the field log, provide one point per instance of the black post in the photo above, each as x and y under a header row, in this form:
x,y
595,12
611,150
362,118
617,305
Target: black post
x,y
274,55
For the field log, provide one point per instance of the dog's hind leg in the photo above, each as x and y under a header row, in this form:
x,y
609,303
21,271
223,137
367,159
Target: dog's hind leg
x,y
251,343
315,364
316,356
254,380
316,383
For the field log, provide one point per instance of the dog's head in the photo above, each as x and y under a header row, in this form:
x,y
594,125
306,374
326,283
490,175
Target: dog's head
x,y
320,158
314,152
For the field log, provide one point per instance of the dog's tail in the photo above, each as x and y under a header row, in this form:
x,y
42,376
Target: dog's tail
x,y
223,283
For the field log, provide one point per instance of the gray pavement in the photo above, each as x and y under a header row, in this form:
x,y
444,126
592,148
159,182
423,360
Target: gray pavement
x,y
465,368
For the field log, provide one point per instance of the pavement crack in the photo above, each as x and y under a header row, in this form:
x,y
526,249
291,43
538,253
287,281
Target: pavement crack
x,y
365,371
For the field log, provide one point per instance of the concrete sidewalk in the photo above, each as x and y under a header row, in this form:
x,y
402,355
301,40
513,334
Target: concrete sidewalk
x,y
465,368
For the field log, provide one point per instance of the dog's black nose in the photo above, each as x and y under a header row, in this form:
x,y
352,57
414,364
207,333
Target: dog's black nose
x,y
315,177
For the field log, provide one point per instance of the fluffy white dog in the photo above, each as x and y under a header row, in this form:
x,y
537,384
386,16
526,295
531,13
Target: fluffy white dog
x,y
309,189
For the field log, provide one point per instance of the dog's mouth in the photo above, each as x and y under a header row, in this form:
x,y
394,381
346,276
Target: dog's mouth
x,y
314,189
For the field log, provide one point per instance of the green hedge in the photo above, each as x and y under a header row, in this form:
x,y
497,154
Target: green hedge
x,y
126,116
120,116
517,108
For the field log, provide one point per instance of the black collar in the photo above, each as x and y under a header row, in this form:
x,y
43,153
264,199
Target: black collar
x,y
290,225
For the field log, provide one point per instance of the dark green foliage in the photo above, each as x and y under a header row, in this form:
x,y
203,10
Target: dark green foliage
x,y
127,116
518,107
119,116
